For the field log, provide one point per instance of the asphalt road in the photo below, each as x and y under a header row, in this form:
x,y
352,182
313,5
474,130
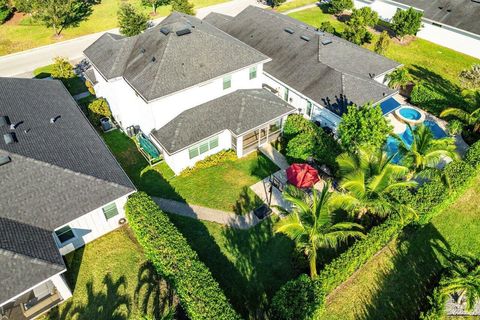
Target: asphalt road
x,y
23,63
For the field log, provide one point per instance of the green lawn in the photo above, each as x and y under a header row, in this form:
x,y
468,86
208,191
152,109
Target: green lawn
x,y
294,4
224,187
250,265
315,16
26,34
396,282
111,279
75,85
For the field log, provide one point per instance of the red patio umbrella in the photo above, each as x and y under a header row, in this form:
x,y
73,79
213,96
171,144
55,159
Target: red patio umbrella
x,y
302,175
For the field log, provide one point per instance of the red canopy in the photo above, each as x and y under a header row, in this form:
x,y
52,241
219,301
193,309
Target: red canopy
x,y
302,175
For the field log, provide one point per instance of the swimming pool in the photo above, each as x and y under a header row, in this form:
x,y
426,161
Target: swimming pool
x,y
391,146
409,113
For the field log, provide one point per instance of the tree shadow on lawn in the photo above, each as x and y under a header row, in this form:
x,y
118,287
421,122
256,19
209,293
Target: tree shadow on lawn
x,y
247,201
401,292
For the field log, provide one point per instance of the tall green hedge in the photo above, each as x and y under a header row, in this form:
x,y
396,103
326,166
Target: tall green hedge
x,y
199,293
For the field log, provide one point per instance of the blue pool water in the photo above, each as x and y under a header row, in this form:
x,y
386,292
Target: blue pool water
x,y
389,105
407,137
409,113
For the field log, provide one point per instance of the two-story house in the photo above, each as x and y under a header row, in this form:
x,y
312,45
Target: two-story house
x,y
60,189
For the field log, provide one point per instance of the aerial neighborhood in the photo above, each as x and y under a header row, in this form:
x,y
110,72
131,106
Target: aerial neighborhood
x,y
239,159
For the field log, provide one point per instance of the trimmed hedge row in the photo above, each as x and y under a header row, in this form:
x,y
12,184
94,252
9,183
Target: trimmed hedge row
x,y
430,198
167,249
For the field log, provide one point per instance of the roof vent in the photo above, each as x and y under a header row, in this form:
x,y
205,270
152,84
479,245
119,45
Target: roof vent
x,y
440,8
288,30
9,138
4,160
4,121
449,10
183,32
154,59
164,30
305,38
326,41
142,50
54,119
476,1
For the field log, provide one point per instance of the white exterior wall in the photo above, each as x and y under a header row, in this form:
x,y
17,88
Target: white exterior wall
x,y
130,109
181,160
450,37
91,226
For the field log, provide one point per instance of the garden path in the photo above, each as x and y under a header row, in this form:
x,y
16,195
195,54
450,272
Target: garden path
x,y
271,153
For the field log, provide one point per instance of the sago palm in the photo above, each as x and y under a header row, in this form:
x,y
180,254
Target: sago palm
x,y
463,281
469,118
425,151
311,226
367,177
399,78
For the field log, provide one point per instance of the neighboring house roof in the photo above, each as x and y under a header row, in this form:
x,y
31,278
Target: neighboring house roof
x,y
58,172
239,112
332,74
157,64
461,14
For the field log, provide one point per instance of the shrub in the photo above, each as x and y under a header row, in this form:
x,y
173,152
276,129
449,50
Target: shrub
x,y
326,26
427,98
5,11
211,161
357,34
98,109
429,195
337,6
167,249
473,155
364,16
62,69
406,22
301,147
90,88
455,127
436,306
182,6
297,299
382,43
295,124
456,172
24,5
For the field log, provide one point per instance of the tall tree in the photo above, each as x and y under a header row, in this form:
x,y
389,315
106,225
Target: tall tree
x,y
365,16
383,42
310,224
363,126
425,151
471,119
470,78
183,6
61,14
399,78
367,177
406,22
130,21
338,6
154,4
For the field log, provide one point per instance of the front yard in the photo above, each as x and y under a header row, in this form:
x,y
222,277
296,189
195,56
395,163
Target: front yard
x,y
395,283
224,187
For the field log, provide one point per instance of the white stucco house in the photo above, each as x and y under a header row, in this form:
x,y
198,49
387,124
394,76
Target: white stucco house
x,y
196,87
451,23
61,188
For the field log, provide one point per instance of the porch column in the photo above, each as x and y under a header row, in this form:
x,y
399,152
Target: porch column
x,y
240,146
61,286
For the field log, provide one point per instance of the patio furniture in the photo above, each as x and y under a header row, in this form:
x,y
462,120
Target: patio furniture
x,y
262,212
302,175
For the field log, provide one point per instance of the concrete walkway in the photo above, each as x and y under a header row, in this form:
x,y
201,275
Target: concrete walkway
x,y
229,219
271,153
308,6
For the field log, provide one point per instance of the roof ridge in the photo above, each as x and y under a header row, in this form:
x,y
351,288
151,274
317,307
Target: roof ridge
x,y
162,60
35,260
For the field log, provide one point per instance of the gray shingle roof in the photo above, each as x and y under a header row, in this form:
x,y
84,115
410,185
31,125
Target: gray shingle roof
x,y
179,61
461,14
329,74
58,172
239,112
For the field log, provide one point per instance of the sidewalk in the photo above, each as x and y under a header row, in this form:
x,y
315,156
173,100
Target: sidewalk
x,y
271,153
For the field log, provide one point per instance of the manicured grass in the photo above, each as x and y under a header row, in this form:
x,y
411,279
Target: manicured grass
x,y
75,85
294,4
110,279
395,283
315,16
250,265
27,34
225,186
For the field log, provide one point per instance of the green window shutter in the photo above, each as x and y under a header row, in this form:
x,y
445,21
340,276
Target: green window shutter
x,y
227,82
204,147
193,152
64,234
213,142
309,108
285,96
110,211
253,72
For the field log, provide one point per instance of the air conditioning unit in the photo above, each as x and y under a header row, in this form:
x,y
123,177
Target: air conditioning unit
x,y
122,221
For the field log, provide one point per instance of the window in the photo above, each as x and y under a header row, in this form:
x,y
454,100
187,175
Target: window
x,y
227,82
110,211
203,147
285,97
275,126
309,108
253,72
64,234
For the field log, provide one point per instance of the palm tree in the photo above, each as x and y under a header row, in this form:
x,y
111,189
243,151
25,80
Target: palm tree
x,y
463,281
311,226
472,97
367,177
399,78
425,151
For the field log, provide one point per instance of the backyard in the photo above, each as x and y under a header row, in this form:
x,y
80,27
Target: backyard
x,y
22,33
224,187
74,85
396,282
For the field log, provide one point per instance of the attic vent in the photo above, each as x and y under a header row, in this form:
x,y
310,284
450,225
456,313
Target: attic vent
x,y
4,160
305,38
142,50
440,8
9,138
54,119
326,41
154,59
288,30
164,30
4,121
183,32
449,10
